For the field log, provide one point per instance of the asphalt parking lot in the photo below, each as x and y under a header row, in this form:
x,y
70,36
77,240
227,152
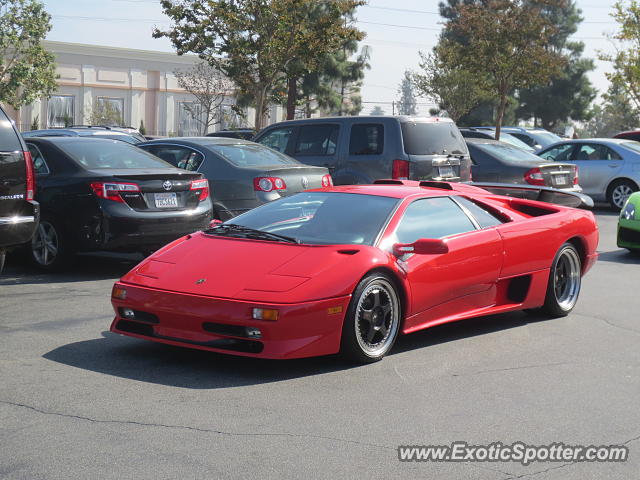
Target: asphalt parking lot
x,y
79,402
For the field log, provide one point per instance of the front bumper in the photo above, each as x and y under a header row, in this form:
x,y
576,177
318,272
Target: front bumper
x,y
219,324
629,234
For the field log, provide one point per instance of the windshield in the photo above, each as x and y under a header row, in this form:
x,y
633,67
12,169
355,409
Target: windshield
x,y
251,155
322,218
545,138
510,139
109,154
507,153
432,138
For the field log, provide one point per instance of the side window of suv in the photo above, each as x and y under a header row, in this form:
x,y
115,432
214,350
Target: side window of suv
x,y
181,157
277,139
366,139
39,165
317,140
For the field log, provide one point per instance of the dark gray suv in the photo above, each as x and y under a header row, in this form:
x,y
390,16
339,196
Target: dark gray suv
x,y
19,213
367,148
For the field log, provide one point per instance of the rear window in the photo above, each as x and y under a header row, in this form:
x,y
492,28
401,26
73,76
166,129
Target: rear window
x,y
249,155
635,146
432,138
109,154
9,141
508,153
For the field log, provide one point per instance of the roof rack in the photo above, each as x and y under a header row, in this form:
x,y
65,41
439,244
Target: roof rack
x,y
90,126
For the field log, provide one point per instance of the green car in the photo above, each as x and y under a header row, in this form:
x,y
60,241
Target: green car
x,y
629,224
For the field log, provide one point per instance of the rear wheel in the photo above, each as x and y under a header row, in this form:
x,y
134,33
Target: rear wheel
x,y
49,249
3,256
564,284
619,191
372,322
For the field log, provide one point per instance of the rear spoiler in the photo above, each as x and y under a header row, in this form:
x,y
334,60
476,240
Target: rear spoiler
x,y
541,194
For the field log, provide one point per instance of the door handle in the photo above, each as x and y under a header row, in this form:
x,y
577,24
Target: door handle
x,y
613,165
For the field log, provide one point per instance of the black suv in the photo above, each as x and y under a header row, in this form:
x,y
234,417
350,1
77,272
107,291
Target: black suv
x,y
367,148
19,213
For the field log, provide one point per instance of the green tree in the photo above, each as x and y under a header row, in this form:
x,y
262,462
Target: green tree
x,y
377,110
104,113
27,70
407,102
616,114
507,44
141,128
254,42
626,61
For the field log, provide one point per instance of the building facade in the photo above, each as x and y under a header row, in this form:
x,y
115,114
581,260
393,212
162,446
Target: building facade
x,y
138,84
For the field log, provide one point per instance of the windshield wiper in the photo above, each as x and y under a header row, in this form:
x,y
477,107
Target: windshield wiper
x,y
235,230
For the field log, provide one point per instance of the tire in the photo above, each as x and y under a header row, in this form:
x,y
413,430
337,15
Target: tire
x,y
49,249
564,283
619,191
373,319
3,256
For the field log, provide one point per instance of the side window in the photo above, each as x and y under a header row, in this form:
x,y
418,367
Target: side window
x,y
480,213
277,139
561,153
366,140
317,140
39,165
594,151
525,138
432,218
610,154
181,157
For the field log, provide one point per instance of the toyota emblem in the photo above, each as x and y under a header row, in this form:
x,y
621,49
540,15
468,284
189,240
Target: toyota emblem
x,y
305,182
167,185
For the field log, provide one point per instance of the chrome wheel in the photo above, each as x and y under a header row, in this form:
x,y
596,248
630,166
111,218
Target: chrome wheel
x,y
377,318
566,279
620,193
45,244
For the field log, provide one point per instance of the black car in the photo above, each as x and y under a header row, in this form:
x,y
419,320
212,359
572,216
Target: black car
x,y
19,212
243,133
242,174
495,161
109,195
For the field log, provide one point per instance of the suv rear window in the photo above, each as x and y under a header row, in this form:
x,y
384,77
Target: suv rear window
x,y
9,141
432,138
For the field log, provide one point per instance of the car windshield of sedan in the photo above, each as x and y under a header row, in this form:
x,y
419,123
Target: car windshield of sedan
x,y
248,155
322,218
508,153
110,154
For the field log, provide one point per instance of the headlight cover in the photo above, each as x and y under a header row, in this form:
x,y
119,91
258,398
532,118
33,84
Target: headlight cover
x,y
628,212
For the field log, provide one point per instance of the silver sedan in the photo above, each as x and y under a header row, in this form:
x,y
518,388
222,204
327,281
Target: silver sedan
x,y
608,168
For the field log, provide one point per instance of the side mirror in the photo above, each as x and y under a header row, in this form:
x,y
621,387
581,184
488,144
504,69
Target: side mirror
x,y
423,246
214,223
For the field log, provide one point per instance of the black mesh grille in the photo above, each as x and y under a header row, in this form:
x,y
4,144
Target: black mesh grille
x,y
628,235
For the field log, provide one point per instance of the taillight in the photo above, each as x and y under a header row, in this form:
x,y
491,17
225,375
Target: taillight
x,y
534,177
327,181
575,177
31,179
203,186
400,170
266,184
112,190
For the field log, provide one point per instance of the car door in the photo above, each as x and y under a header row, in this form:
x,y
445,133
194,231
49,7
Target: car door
x,y
460,280
317,144
365,161
279,139
597,166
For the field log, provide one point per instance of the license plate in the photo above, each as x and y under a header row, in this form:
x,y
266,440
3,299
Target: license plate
x,y
561,179
446,171
166,200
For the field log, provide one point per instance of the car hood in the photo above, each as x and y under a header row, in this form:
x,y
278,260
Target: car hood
x,y
255,270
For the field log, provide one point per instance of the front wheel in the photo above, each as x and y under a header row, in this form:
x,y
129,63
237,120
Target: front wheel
x,y
564,284
372,322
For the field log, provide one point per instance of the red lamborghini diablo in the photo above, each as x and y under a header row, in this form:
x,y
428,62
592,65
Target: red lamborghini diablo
x,y
346,269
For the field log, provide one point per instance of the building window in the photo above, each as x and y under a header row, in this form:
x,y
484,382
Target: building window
x,y
61,111
189,115
108,111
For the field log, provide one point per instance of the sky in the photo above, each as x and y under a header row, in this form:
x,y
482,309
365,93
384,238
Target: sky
x,y
396,31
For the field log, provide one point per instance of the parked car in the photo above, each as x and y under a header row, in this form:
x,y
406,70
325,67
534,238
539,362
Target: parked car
x,y
629,135
536,138
491,134
363,149
347,269
609,168
629,224
243,133
108,195
19,212
495,161
242,174
86,131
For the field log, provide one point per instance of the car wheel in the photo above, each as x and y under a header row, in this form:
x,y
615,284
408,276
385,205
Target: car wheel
x,y
564,282
3,256
619,191
48,247
372,322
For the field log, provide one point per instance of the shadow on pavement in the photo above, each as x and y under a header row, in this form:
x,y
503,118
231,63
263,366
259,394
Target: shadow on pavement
x,y
619,256
151,362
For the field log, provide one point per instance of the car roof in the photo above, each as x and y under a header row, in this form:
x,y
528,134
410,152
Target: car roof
x,y
200,141
75,131
616,141
73,139
491,141
363,119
